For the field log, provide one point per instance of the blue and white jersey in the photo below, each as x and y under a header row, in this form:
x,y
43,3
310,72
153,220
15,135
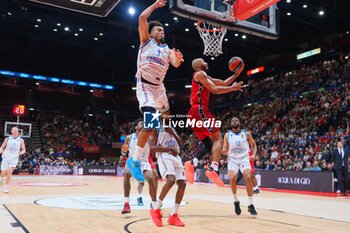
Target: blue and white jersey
x,y
167,140
238,144
153,62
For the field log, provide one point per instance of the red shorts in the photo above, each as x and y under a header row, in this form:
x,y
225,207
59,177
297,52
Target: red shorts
x,y
252,171
150,160
201,113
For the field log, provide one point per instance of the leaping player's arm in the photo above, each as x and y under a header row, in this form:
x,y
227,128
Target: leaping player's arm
x,y
22,151
3,146
176,57
229,80
143,20
225,146
125,146
252,143
202,77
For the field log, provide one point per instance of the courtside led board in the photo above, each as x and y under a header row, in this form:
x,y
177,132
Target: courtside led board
x,y
92,7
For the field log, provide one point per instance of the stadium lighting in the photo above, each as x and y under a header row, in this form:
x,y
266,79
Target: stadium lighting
x,y
289,14
131,10
244,37
188,86
133,88
187,30
66,29
166,25
304,6
321,12
38,20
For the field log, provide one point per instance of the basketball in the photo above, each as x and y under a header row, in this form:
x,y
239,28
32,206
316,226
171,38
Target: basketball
x,y
235,63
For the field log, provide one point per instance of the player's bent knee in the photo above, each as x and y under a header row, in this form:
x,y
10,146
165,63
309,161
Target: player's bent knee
x,y
181,184
170,180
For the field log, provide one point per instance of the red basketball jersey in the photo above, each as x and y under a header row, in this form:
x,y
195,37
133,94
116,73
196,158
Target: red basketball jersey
x,y
199,93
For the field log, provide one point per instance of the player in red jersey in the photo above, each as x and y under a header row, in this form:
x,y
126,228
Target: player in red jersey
x,y
202,86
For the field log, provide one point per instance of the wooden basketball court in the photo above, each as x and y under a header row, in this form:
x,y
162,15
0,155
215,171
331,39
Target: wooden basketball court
x,y
93,203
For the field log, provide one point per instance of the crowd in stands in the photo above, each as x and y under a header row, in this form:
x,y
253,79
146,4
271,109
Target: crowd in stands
x,y
296,117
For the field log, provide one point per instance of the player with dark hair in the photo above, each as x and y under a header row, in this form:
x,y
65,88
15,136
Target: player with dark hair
x,y
153,62
202,86
236,146
166,144
129,146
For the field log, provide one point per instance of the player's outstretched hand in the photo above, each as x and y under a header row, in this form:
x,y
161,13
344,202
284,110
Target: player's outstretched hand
x,y
238,86
179,56
160,3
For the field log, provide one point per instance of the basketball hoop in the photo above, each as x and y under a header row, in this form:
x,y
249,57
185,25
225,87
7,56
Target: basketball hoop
x,y
212,37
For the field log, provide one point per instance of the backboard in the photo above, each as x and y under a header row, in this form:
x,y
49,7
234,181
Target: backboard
x,y
263,23
25,129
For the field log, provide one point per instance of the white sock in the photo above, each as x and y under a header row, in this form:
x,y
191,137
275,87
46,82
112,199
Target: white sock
x,y
256,187
137,153
215,165
235,198
140,195
250,200
195,162
154,204
126,199
158,205
175,208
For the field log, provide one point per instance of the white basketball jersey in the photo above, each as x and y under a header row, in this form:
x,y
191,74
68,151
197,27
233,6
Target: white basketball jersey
x,y
166,140
153,62
13,147
132,144
238,144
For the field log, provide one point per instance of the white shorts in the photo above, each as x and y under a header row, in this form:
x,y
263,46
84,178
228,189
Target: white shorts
x,y
152,96
6,163
171,165
145,166
236,164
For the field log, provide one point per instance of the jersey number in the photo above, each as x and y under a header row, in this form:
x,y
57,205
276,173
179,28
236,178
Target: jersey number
x,y
238,143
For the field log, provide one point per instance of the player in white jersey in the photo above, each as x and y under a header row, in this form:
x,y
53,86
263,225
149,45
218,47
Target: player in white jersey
x,y
236,147
129,146
152,65
12,147
167,147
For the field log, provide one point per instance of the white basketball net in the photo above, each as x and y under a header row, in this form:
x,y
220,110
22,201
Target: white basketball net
x,y
212,37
